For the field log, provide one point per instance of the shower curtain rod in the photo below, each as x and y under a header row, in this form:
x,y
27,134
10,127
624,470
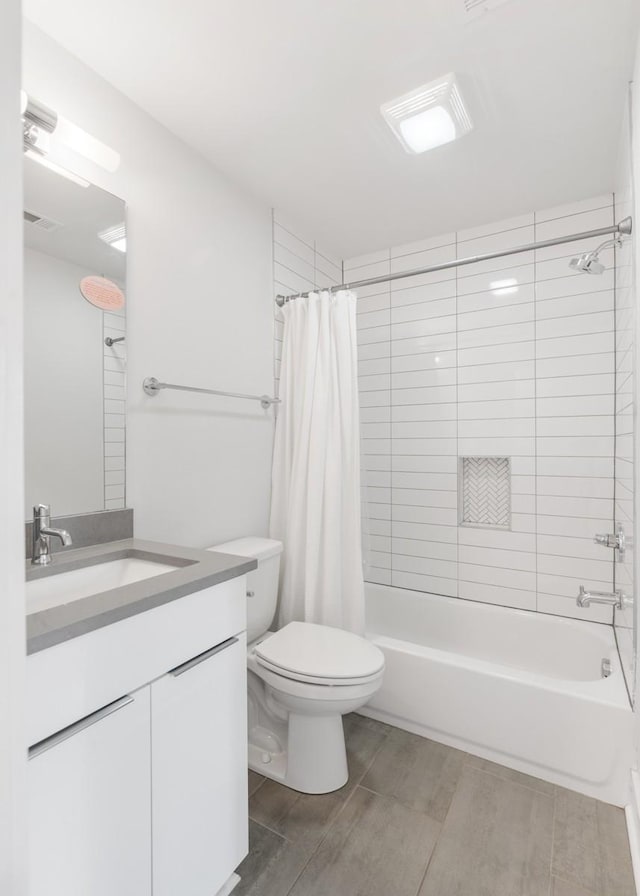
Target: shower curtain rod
x,y
623,228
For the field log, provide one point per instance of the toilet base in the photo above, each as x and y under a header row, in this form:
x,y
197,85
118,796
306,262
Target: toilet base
x,y
315,760
295,727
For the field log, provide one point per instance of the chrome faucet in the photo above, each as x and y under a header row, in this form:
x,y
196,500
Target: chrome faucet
x,y
42,532
615,599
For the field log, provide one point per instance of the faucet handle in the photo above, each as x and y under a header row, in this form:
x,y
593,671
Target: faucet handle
x,y
615,540
41,510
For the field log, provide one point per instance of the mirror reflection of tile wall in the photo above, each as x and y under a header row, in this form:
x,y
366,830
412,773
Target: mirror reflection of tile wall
x,y
115,365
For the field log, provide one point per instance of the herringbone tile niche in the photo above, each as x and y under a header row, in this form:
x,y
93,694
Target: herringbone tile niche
x,y
485,491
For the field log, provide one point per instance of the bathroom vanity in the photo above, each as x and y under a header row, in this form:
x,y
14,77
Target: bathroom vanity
x,y
136,720
136,667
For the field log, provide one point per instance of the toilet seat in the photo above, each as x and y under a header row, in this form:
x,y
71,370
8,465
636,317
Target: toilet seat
x,y
320,654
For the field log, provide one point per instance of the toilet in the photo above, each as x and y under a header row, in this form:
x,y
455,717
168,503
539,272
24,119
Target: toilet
x,y
301,680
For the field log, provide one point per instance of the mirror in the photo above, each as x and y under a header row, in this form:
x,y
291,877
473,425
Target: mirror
x,y
74,374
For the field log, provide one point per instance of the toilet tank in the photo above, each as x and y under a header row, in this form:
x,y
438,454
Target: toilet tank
x,y
262,583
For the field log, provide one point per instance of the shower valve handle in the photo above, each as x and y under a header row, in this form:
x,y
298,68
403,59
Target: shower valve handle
x,y
615,540
609,540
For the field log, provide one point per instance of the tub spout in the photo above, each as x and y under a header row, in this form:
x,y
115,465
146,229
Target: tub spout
x,y
615,599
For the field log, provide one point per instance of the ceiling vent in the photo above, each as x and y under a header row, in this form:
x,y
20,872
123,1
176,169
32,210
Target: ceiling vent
x,y
473,9
40,221
429,116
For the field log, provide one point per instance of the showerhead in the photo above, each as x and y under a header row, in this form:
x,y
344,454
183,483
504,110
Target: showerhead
x,y
587,263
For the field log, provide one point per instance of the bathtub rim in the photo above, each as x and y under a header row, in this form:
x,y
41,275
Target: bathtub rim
x,y
615,687
615,695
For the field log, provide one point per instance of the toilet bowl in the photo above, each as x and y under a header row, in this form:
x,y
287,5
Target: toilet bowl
x,y
301,680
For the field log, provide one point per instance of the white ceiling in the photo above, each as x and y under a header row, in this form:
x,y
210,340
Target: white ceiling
x,y
284,97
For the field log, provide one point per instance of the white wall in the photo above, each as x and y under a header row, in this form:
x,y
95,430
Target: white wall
x,y
198,312
452,365
62,389
625,399
12,634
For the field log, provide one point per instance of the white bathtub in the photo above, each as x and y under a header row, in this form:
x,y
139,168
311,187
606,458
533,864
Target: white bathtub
x,y
522,689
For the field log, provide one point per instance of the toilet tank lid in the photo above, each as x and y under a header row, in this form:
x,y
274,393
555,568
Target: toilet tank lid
x,y
252,546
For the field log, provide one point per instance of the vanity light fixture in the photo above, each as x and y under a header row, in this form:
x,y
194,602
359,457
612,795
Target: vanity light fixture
x,y
41,125
429,116
58,169
87,146
116,237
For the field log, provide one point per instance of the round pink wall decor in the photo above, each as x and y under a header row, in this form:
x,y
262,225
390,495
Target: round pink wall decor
x,y
102,293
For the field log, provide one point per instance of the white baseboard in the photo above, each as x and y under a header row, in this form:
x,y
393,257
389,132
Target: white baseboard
x,y
632,813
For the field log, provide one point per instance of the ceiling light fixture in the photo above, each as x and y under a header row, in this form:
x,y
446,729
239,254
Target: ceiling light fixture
x,y
41,127
429,116
116,237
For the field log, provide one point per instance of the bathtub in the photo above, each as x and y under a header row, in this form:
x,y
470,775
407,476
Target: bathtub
x,y
518,688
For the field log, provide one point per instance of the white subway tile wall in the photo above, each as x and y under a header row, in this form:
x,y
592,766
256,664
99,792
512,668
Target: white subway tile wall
x,y
624,402
115,364
514,358
299,264
485,484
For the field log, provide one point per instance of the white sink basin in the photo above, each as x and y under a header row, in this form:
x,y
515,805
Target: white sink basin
x,y
65,587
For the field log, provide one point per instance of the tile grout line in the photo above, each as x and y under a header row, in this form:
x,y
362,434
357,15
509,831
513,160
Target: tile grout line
x,y
442,826
259,785
322,839
514,323
553,837
373,757
391,406
492,774
271,831
329,826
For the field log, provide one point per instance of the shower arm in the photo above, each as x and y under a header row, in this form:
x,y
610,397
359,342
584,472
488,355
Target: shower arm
x,y
615,242
622,228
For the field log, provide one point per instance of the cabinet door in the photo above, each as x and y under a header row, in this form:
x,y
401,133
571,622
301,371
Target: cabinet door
x,y
89,805
199,772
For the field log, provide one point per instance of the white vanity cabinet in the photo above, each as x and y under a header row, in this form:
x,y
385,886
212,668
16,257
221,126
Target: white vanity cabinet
x,y
138,758
199,772
89,797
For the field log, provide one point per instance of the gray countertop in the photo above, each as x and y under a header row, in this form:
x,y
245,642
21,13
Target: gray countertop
x,y
196,570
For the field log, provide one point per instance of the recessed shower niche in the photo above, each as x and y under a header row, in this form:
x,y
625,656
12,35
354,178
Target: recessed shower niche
x,y
485,492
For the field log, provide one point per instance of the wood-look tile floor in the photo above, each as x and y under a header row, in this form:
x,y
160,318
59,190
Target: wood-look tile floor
x,y
417,818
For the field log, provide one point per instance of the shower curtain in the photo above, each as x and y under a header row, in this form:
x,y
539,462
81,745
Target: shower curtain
x,y
315,505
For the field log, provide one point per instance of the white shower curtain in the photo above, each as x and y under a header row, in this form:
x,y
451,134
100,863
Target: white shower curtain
x,y
315,509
